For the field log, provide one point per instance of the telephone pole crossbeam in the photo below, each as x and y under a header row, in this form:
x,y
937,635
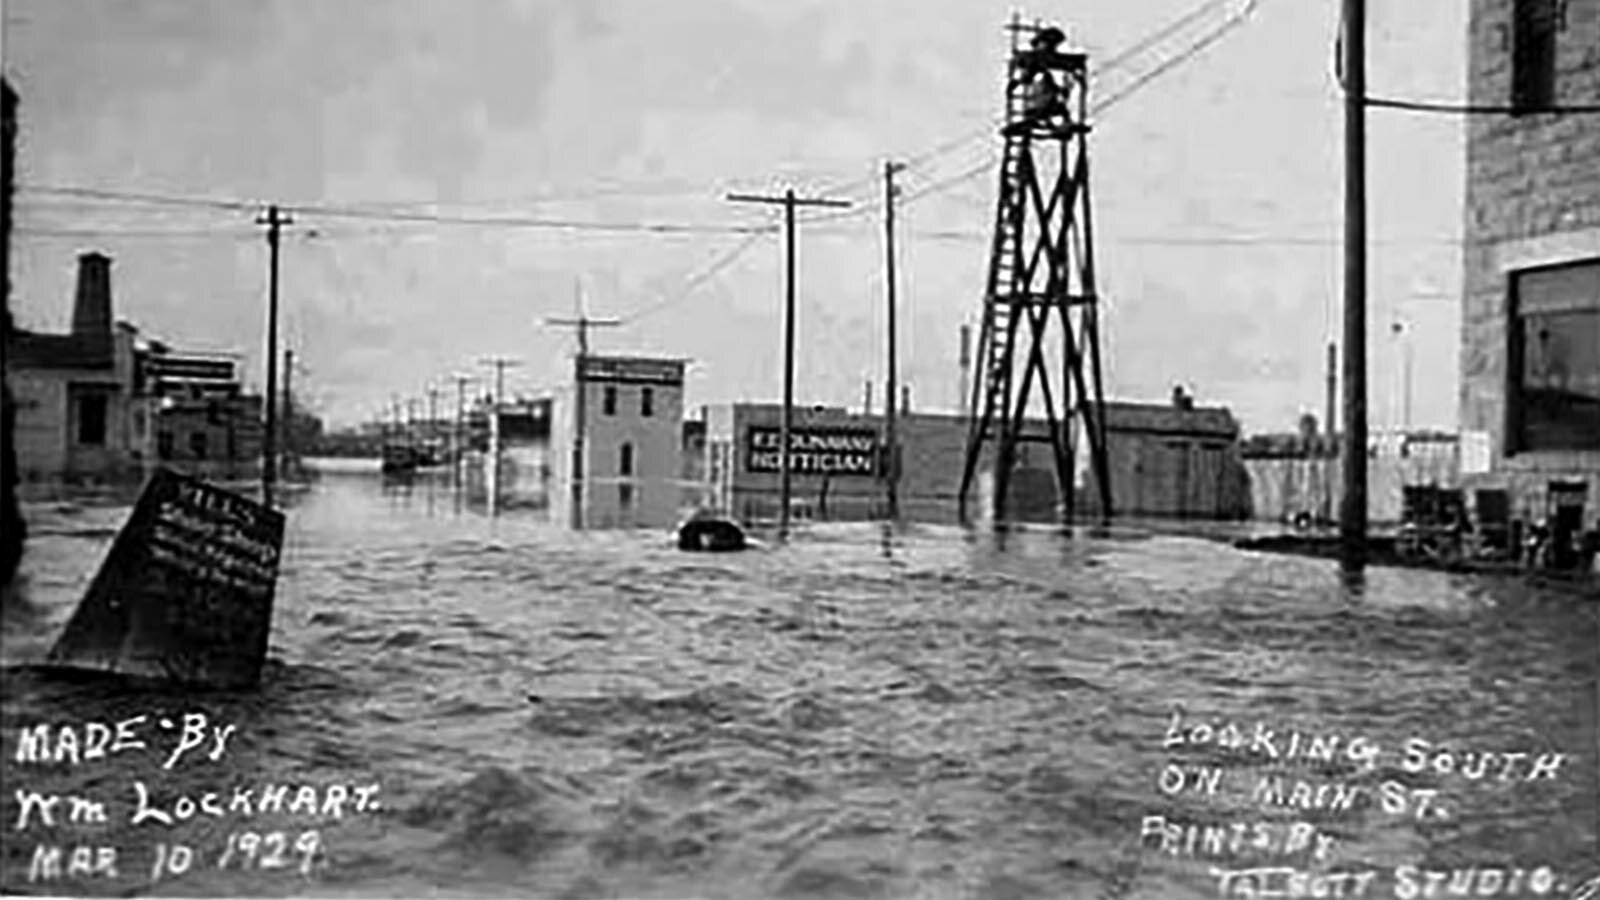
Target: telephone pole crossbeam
x,y
275,219
789,201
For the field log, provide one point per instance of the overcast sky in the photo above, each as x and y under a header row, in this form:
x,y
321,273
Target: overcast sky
x,y
641,111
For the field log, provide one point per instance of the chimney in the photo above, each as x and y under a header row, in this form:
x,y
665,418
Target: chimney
x,y
905,400
866,403
91,312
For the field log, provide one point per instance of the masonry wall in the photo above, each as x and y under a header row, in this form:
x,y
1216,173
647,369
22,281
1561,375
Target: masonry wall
x,y
1532,198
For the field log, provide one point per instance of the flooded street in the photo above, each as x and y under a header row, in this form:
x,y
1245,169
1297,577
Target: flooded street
x,y
549,714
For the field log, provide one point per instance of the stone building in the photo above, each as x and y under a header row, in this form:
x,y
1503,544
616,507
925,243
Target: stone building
x,y
1530,355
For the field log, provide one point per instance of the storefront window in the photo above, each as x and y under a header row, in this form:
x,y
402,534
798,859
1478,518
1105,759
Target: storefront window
x,y
1554,394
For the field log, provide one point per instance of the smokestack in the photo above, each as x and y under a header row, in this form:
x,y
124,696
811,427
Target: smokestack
x,y
91,312
905,400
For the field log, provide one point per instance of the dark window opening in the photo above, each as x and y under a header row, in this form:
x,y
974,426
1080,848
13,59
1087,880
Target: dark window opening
x,y
647,402
625,496
609,400
1553,395
92,419
197,444
625,464
1533,54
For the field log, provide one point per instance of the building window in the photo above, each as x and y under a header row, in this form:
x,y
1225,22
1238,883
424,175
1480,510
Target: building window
x,y
1533,54
647,402
625,464
92,419
608,400
197,444
1553,399
625,496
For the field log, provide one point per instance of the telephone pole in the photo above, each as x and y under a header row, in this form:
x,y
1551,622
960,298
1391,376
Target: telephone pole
x,y
789,202
433,415
274,219
455,438
1353,510
891,474
288,408
580,405
500,364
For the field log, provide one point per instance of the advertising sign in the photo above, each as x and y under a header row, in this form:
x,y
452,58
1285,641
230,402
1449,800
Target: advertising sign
x,y
631,371
815,451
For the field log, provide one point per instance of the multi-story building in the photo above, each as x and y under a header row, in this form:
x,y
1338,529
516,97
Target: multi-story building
x,y
631,466
201,421
1530,350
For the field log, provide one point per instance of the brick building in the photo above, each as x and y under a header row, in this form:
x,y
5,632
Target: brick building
x,y
632,466
1530,360
1167,461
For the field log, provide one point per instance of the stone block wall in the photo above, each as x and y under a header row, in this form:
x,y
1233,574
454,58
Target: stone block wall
x,y
1532,199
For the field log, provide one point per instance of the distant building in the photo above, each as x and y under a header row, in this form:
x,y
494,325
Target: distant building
x,y
201,420
1174,461
1530,356
1166,461
77,417
99,404
630,473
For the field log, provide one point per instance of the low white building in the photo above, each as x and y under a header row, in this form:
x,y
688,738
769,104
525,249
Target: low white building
x,y
627,469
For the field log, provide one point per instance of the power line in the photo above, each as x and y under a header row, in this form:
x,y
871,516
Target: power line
x,y
1101,106
397,216
1470,109
702,277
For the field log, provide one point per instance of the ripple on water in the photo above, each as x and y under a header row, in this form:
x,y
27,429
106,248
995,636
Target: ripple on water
x,y
597,715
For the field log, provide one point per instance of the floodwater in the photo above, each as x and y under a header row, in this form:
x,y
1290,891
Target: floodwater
x,y
548,714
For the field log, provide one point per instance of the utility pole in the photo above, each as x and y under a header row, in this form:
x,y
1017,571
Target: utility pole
x,y
455,440
1353,511
789,202
892,473
274,219
1331,429
433,415
500,365
580,401
288,407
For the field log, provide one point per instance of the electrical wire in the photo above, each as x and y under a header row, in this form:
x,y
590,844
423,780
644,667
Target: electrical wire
x,y
1101,106
699,279
396,216
1476,109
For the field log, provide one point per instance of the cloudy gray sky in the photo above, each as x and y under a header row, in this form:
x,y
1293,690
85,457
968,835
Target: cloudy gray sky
x,y
1217,185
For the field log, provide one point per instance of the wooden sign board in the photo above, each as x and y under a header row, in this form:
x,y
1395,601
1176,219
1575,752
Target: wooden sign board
x,y
186,593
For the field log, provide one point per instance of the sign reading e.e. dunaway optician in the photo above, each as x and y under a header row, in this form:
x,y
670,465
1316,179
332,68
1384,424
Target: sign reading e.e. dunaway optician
x,y
815,451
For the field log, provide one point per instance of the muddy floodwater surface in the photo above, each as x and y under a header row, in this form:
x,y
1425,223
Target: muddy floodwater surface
x,y
464,706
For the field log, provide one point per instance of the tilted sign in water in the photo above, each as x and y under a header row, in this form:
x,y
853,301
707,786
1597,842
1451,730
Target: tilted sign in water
x,y
815,451
186,592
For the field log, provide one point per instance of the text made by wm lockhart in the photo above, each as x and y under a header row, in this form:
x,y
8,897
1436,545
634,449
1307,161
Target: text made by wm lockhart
x,y
1272,812
153,797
